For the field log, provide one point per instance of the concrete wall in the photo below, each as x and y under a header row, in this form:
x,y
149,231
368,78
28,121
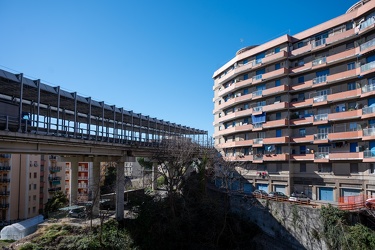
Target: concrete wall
x,y
295,226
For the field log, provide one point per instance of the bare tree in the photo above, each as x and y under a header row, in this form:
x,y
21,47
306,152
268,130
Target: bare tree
x,y
176,158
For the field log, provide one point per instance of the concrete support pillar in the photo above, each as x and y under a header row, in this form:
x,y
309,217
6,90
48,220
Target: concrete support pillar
x,y
94,185
73,189
154,177
120,186
120,189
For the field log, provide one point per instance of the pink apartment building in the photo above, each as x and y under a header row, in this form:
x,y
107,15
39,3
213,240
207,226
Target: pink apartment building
x,y
298,113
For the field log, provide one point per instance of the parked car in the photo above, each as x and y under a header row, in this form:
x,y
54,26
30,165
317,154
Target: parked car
x,y
260,193
79,212
278,195
370,203
299,197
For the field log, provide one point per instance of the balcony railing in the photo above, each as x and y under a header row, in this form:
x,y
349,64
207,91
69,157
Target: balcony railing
x,y
55,178
319,61
258,61
319,42
369,132
258,141
4,180
321,117
320,98
321,136
257,93
368,66
257,109
320,79
5,168
321,155
54,189
7,156
257,77
368,110
55,169
367,44
367,23
257,157
4,193
368,154
257,125
368,88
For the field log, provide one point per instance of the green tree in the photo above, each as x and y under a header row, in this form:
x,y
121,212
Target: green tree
x,y
57,201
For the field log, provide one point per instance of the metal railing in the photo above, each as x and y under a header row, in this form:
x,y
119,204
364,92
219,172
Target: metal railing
x,y
368,66
367,44
320,79
321,136
257,93
321,155
258,141
367,23
320,98
368,88
321,117
257,109
369,132
319,61
257,77
368,110
319,42
369,154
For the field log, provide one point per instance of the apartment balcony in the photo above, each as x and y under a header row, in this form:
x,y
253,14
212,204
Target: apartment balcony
x,y
83,177
5,168
319,79
301,68
368,90
344,95
4,206
320,100
275,106
257,110
321,157
368,112
233,101
346,115
367,68
274,90
368,156
320,138
365,26
320,119
234,86
244,158
258,142
274,74
275,157
368,134
366,47
302,86
275,57
275,123
276,140
342,56
54,189
82,186
257,158
301,51
345,156
54,169
303,103
305,139
243,68
302,157
348,135
5,156
4,193
317,44
54,178
340,36
257,126
345,75
227,90
55,182
4,180
232,144
319,62
302,121
257,78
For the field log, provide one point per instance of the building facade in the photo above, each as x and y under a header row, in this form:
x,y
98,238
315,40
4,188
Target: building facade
x,y
298,113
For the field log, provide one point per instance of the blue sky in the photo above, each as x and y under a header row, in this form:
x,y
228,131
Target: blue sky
x,y
153,57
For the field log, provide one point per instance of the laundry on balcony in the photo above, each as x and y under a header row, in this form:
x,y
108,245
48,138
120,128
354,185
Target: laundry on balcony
x,y
270,148
259,118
